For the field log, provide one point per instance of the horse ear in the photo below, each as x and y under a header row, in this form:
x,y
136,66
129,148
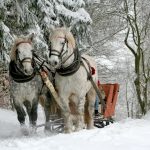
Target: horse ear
x,y
31,36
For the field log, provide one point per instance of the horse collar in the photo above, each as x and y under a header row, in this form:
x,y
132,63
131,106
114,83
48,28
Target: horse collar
x,y
17,75
67,71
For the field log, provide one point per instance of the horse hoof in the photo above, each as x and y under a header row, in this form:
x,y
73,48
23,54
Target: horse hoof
x,y
24,130
32,130
91,127
67,131
78,129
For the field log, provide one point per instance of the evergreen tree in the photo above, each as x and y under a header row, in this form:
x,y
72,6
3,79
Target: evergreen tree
x,y
38,16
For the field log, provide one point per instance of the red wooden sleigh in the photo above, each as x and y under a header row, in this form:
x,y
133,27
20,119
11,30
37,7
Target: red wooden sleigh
x,y
107,113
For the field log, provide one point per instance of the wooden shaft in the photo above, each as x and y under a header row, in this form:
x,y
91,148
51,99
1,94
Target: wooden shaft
x,y
51,88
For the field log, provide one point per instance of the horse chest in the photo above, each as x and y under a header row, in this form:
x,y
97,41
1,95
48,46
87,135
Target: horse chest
x,y
71,84
24,91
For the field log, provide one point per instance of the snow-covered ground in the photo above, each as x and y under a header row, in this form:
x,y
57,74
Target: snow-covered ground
x,y
127,134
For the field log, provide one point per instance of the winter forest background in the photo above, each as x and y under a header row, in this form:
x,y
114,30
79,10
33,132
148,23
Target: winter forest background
x,y
115,32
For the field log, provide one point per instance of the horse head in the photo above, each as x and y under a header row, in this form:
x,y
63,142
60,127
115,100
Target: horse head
x,y
22,54
62,45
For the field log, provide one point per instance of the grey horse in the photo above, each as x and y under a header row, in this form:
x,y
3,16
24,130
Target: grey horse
x,y
26,83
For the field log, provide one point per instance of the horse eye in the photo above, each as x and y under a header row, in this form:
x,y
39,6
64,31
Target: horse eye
x,y
18,51
32,50
62,43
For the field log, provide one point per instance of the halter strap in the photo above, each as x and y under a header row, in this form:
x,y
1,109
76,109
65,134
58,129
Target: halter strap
x,y
23,42
60,37
27,59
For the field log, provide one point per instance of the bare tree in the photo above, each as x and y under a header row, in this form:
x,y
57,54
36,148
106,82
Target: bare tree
x,y
138,22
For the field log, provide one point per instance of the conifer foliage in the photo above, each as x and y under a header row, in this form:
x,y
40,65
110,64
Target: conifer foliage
x,y
38,16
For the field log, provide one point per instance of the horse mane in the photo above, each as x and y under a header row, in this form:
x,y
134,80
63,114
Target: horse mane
x,y
14,46
61,32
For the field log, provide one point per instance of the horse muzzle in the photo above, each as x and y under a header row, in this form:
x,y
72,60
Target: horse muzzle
x,y
28,71
27,67
55,63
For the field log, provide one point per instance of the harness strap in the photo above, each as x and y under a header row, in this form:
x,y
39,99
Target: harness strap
x,y
67,71
41,62
92,81
23,42
68,57
89,66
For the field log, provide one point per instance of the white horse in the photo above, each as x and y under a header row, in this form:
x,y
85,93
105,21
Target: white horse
x,y
77,95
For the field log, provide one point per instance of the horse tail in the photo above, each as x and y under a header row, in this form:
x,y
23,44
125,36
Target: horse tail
x,y
89,108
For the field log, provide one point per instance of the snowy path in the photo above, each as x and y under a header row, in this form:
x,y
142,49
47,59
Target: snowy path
x,y
125,135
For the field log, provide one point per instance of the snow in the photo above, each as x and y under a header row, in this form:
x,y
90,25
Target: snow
x,y
128,134
80,14
73,3
104,61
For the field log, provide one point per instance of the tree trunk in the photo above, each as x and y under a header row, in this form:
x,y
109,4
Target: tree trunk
x,y
138,87
138,90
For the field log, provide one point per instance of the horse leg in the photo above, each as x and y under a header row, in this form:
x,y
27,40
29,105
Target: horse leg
x,y
27,104
80,114
46,104
67,115
32,113
21,118
20,114
67,122
91,96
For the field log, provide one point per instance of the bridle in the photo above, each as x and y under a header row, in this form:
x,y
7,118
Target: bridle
x,y
56,52
73,67
15,67
60,54
26,59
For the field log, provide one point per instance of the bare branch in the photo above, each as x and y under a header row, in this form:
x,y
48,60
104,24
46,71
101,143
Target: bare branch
x,y
127,44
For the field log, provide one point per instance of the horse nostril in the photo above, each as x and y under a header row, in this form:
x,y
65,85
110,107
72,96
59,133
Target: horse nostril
x,y
55,63
25,71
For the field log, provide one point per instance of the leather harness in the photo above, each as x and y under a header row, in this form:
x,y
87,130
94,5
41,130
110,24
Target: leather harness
x,y
17,75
